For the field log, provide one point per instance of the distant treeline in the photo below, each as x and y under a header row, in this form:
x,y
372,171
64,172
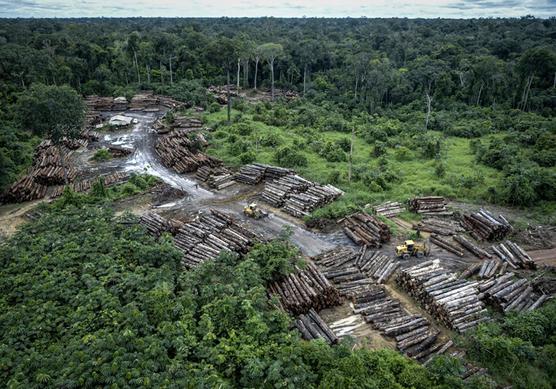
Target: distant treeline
x,y
368,64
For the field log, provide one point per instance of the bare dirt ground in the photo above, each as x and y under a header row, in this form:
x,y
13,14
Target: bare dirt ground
x,y
13,215
544,257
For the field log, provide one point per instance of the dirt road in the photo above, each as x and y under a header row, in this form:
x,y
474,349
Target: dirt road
x,y
142,137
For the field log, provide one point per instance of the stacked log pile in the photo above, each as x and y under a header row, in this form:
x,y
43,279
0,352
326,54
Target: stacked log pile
x,y
430,206
454,302
204,238
316,196
257,172
220,93
144,101
471,247
178,151
339,266
47,170
414,335
250,174
181,123
514,255
211,234
483,225
171,103
312,326
508,293
86,184
215,177
155,224
25,189
295,194
490,268
365,230
438,226
97,103
389,209
276,192
302,290
377,266
446,245
351,271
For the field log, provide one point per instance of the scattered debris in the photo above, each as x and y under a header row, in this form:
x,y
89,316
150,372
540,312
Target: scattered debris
x,y
438,226
446,245
471,247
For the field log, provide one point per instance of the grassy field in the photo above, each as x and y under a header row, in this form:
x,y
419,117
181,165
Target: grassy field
x,y
409,172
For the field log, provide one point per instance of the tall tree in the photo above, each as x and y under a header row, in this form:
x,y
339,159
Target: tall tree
x,y
271,51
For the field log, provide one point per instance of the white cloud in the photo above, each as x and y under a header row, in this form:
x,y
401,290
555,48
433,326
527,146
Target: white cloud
x,y
289,8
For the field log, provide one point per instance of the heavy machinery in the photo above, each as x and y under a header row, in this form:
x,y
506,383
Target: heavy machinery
x,y
411,248
253,210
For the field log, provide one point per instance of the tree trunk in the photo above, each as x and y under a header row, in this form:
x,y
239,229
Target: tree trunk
x,y
229,98
429,102
148,73
137,66
256,69
351,153
161,74
479,95
528,92
246,74
272,78
304,80
355,91
238,69
171,75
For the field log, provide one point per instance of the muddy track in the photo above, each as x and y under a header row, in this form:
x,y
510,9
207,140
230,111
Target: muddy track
x,y
142,138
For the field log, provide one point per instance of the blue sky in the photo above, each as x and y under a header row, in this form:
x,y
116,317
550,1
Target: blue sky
x,y
285,8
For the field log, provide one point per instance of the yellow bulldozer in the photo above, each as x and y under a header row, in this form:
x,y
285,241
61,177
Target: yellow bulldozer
x,y
412,249
253,210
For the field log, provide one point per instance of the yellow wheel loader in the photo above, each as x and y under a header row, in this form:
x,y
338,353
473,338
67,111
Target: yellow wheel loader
x,y
253,210
412,249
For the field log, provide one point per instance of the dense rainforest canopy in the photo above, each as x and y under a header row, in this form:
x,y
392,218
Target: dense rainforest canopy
x,y
459,108
361,63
